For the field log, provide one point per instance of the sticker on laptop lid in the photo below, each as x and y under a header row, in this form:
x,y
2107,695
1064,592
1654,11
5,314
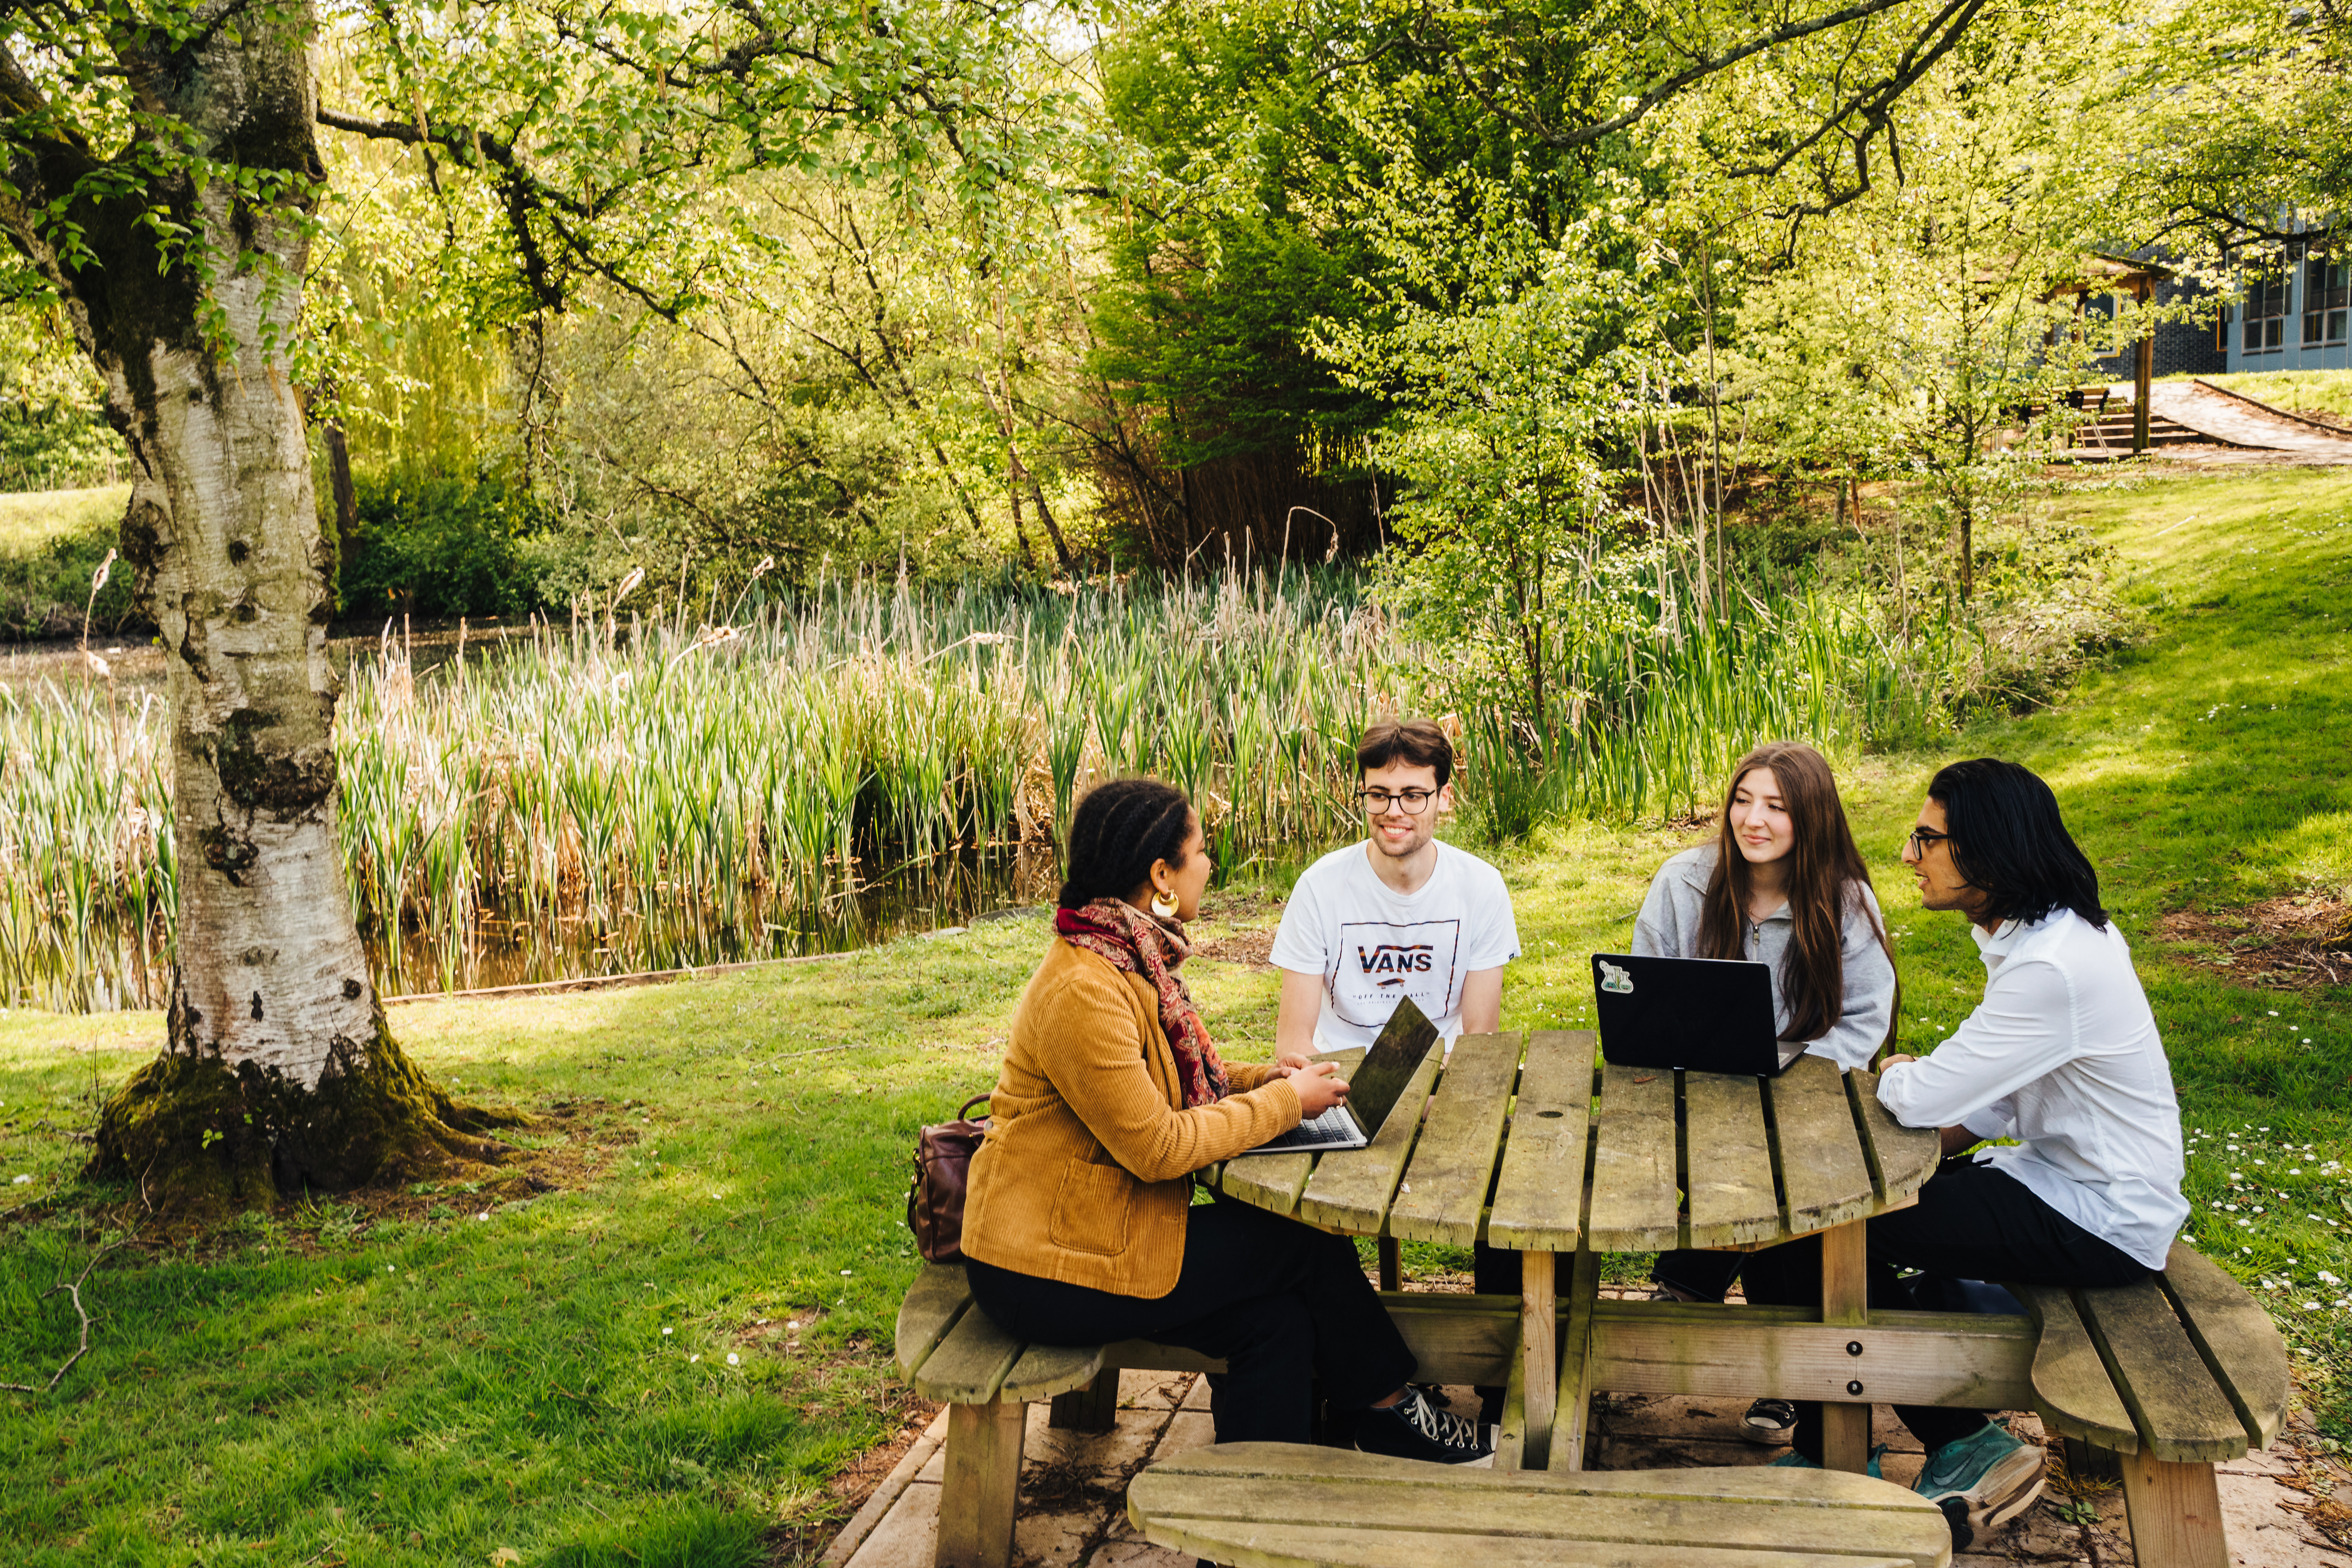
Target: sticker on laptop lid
x,y
1614,977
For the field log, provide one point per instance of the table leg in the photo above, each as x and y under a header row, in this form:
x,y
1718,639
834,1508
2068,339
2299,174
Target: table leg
x,y
1392,1267
1540,1349
1845,1299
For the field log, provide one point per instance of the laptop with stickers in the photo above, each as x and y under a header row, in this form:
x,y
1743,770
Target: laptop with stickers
x,y
1705,1015
1373,1089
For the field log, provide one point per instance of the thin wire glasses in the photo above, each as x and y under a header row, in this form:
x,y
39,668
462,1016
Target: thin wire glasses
x,y
1412,802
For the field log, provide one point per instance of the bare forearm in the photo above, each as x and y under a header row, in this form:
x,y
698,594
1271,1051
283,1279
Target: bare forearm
x,y
1956,1139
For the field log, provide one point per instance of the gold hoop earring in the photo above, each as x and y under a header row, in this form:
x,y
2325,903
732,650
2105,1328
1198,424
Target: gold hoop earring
x,y
1164,905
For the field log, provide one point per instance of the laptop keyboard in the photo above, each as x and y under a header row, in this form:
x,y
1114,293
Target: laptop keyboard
x,y
1332,1123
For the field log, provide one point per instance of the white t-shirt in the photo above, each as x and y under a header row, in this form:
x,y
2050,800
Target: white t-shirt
x,y
1372,944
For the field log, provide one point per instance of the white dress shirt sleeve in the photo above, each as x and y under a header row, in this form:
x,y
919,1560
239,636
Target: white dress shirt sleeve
x,y
2023,1029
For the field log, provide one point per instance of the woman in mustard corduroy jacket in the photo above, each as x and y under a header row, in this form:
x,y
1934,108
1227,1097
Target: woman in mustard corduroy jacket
x,y
1079,1224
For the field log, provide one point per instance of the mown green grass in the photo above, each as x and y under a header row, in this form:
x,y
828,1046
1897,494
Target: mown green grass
x,y
29,520
423,1386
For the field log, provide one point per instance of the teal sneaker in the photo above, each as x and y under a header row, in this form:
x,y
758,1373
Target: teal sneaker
x,y
1792,1460
1984,1480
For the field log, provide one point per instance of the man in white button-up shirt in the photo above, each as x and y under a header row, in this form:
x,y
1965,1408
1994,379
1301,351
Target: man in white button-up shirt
x,y
2062,1056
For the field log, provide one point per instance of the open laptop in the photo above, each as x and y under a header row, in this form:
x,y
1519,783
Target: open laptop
x,y
1705,1015
1373,1089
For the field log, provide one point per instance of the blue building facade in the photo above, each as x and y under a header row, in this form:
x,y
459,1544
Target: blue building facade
x,y
2295,314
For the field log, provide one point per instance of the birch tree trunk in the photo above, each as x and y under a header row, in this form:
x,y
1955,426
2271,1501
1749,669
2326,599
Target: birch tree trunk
x,y
279,1072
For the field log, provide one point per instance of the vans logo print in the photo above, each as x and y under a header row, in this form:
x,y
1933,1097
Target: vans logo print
x,y
1391,963
1376,961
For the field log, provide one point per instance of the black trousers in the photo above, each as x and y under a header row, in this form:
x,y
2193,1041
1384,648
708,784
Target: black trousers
x,y
1285,1305
1704,1276
1970,1223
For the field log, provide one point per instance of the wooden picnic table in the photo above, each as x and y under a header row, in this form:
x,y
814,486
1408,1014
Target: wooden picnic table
x,y
1531,1143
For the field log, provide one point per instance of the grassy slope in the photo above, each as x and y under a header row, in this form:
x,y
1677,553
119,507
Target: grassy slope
x,y
2323,392
429,1388
30,520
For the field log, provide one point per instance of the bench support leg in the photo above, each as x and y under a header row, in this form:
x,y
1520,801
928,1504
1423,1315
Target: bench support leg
x,y
2176,1514
980,1484
1571,1441
1846,1301
1392,1266
1094,1408
1538,1350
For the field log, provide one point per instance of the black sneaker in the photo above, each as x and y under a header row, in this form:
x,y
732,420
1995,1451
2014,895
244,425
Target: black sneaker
x,y
1414,1428
1771,1422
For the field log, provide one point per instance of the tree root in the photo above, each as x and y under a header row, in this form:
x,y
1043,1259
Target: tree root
x,y
202,1135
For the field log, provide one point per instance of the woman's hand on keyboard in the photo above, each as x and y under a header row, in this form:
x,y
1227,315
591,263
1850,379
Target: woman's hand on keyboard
x,y
1319,1088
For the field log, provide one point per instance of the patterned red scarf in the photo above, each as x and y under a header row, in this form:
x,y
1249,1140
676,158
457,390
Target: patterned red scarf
x,y
1117,930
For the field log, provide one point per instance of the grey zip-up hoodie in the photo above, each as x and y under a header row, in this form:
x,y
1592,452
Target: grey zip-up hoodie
x,y
1667,927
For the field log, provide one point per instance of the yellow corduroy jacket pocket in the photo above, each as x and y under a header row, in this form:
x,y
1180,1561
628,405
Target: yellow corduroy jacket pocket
x,y
1090,1210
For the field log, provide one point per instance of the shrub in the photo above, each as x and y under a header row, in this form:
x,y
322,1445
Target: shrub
x,y
438,546
51,547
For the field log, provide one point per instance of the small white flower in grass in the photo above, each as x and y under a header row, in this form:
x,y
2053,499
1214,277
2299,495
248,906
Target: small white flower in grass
x,y
732,1358
484,1215
2311,1306
2327,1278
668,1331
714,1194
844,1274
26,1181
692,1359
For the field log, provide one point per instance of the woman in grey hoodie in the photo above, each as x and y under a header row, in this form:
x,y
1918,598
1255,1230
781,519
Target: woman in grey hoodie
x,y
1783,885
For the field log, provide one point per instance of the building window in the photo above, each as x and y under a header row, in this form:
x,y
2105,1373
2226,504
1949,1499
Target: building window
x,y
2325,301
2266,314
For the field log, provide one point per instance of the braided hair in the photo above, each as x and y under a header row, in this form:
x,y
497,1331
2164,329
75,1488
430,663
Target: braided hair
x,y
1118,831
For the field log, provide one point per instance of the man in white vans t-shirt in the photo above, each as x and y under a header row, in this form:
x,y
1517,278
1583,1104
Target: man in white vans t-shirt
x,y
1400,914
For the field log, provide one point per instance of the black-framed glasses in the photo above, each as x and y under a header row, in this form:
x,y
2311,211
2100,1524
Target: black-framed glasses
x,y
1412,802
1924,840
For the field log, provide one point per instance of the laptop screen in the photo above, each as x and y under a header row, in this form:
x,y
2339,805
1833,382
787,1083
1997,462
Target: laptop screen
x,y
1389,1066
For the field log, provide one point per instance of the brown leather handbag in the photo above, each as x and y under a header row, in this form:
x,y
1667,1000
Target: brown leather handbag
x,y
942,1165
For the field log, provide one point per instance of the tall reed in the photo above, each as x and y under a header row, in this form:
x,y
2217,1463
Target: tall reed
x,y
570,789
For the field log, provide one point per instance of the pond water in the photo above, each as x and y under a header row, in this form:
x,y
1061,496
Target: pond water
x,y
111,973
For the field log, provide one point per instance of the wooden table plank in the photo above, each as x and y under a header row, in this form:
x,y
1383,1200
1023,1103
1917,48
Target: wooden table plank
x,y
1732,1198
1540,1195
1901,1158
2181,1414
2235,1336
1352,1188
1636,1200
1444,1192
1273,1182
1824,1180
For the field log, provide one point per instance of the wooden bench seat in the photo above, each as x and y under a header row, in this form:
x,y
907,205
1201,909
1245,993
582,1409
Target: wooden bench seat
x,y
948,1350
1276,1505
2171,1376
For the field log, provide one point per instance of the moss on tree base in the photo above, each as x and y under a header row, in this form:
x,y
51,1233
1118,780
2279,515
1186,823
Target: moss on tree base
x,y
198,1133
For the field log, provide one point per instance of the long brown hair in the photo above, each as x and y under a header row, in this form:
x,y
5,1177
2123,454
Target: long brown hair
x,y
1823,867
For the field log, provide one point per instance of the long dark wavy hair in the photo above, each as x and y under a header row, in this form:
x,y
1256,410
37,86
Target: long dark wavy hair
x,y
1824,871
2010,840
